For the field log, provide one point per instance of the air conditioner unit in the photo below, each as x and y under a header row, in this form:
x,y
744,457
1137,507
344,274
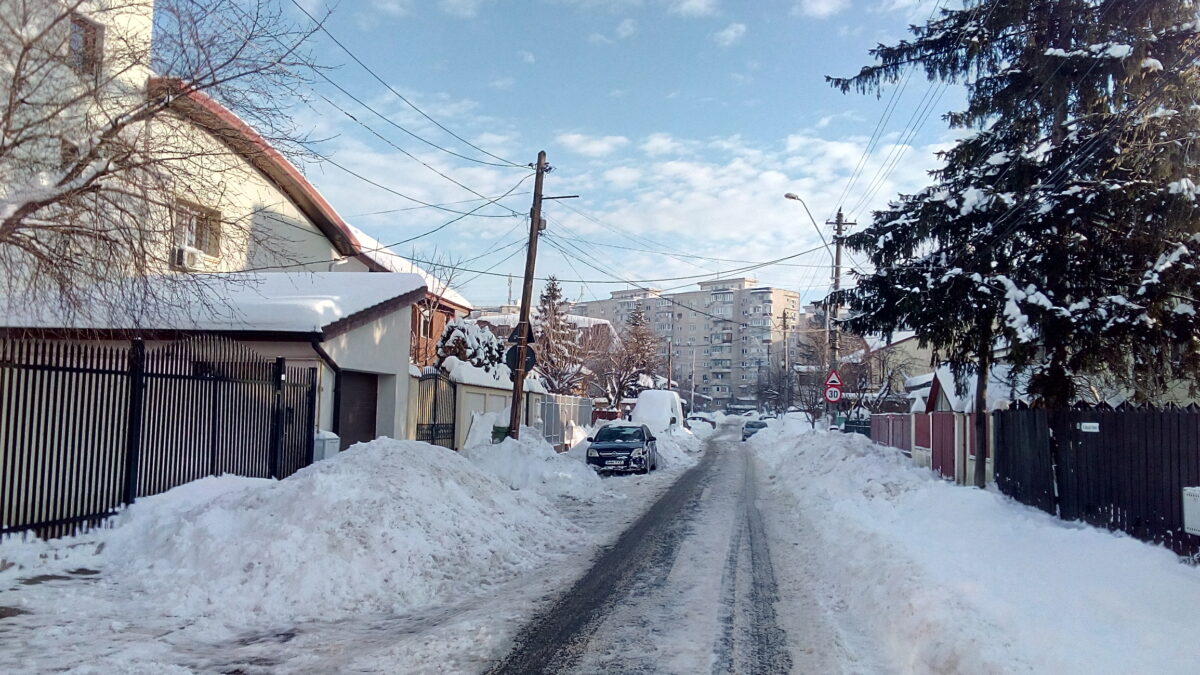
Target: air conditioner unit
x,y
188,258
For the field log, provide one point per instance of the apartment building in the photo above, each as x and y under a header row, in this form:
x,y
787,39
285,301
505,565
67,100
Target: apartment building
x,y
719,340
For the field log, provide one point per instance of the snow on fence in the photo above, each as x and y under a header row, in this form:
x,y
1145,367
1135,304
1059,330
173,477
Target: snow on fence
x,y
558,413
1119,469
85,428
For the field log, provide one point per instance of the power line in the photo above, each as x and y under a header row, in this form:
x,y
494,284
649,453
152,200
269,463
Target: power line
x,y
406,153
321,26
385,247
674,255
385,188
418,208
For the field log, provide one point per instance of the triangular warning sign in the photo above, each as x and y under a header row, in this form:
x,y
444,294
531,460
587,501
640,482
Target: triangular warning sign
x,y
834,380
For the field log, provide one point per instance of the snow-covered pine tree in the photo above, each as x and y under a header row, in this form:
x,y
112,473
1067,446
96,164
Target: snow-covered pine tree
x,y
1067,223
560,361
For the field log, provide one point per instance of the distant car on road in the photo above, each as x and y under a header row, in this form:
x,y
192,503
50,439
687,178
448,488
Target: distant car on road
x,y
752,427
623,448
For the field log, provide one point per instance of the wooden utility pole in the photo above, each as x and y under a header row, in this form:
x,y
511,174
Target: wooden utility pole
x,y
524,330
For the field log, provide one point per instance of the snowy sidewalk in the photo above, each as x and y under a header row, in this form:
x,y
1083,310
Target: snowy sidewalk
x,y
394,556
924,576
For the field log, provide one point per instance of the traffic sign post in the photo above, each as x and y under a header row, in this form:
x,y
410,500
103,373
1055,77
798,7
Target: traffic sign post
x,y
833,387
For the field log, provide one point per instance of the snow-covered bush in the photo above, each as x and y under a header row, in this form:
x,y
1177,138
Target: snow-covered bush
x,y
470,343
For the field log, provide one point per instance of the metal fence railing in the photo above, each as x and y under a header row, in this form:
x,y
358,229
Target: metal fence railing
x,y
555,412
85,428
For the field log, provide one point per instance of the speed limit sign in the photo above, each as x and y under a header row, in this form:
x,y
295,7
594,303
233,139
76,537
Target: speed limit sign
x,y
833,394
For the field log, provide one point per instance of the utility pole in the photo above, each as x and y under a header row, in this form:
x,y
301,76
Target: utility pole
x,y
833,312
524,330
693,379
670,361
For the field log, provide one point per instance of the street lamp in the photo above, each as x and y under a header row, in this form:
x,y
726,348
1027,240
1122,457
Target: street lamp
x,y
795,197
832,259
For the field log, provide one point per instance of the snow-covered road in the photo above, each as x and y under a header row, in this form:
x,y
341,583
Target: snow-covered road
x,y
689,588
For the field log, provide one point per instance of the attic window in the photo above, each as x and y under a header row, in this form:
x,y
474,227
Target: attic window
x,y
85,48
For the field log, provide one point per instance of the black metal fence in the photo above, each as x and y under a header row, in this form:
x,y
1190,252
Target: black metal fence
x,y
1119,469
85,428
436,408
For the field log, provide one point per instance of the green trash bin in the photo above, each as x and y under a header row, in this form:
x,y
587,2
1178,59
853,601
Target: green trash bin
x,y
499,434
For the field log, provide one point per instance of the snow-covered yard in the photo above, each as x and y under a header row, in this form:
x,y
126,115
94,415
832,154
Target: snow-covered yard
x,y
924,576
394,552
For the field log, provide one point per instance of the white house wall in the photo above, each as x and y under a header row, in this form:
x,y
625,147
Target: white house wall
x,y
380,347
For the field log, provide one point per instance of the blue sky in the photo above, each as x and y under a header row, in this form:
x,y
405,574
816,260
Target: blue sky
x,y
680,123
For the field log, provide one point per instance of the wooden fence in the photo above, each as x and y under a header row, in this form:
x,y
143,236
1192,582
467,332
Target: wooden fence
x,y
1119,469
85,428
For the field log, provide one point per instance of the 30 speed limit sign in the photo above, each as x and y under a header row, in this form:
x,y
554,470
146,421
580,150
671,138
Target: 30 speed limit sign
x,y
833,394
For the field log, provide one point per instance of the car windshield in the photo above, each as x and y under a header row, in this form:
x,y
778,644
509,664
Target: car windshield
x,y
619,434
756,425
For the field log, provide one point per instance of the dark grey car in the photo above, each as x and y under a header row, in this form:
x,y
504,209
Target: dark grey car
x,y
623,448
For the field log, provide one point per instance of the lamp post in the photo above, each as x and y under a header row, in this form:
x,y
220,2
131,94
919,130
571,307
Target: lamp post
x,y
835,259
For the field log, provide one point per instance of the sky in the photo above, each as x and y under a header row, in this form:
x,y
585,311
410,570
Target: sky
x,y
680,125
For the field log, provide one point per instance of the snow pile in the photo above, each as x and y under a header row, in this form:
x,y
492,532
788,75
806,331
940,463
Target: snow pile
x,y
388,526
656,408
678,447
953,579
529,463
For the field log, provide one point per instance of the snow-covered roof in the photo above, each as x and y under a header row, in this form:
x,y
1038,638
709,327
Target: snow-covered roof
x,y
291,302
375,250
1004,386
511,319
875,342
917,381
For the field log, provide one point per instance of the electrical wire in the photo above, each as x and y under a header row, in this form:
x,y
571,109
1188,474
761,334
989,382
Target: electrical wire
x,y
385,188
321,26
406,153
418,208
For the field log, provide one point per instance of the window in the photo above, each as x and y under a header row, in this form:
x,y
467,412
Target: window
x,y
85,47
619,434
198,227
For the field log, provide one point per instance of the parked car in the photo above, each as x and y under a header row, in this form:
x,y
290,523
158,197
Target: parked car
x,y
623,448
693,419
752,427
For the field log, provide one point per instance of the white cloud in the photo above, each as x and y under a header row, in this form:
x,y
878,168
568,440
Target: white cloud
x,y
819,8
741,78
592,146
661,144
502,83
526,57
694,7
617,93
390,7
627,28
623,177
466,9
847,115
730,34
599,39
